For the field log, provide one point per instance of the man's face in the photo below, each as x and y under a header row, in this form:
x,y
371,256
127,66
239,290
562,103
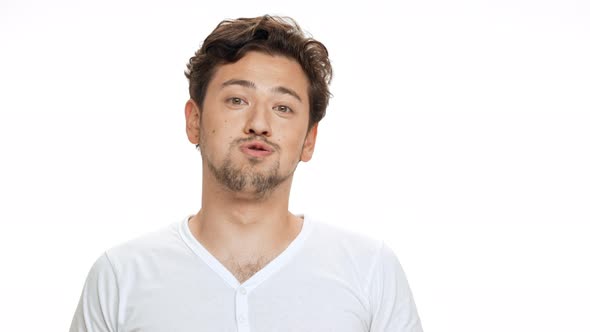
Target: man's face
x,y
253,128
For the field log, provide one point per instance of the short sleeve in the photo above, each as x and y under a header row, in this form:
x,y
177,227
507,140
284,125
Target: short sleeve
x,y
392,303
98,307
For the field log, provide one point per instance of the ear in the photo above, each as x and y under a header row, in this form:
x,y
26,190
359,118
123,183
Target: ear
x,y
193,117
309,144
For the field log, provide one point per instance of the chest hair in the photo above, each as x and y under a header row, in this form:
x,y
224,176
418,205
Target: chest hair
x,y
245,269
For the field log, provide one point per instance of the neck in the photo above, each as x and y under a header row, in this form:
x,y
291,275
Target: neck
x,y
241,223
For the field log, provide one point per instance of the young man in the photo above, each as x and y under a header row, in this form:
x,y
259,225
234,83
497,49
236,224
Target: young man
x,y
258,88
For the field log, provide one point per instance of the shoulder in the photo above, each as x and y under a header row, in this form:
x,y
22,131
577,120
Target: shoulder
x,y
146,248
339,236
377,271
115,272
360,251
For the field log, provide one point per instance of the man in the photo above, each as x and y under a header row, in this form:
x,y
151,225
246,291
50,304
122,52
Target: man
x,y
258,88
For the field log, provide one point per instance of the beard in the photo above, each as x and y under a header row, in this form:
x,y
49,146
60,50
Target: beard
x,y
246,178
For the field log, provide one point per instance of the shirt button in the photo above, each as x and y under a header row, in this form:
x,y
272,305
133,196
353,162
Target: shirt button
x,y
242,319
242,291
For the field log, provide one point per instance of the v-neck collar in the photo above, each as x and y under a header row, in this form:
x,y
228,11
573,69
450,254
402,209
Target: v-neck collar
x,y
273,266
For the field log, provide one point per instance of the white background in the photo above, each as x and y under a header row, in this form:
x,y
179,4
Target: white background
x,y
458,131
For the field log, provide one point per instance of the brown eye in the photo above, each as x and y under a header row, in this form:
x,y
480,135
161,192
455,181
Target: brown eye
x,y
236,100
283,109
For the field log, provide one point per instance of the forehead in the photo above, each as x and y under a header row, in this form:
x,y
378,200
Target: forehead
x,y
265,71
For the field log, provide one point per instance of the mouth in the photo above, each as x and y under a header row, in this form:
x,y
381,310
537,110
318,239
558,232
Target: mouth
x,y
256,149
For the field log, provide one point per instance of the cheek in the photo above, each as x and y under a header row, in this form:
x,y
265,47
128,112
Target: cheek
x,y
212,129
220,128
292,148
219,135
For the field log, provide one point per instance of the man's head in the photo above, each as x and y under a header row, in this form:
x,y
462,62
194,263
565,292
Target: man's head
x,y
258,89
232,39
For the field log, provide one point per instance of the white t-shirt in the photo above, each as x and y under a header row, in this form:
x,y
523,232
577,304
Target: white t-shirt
x,y
327,279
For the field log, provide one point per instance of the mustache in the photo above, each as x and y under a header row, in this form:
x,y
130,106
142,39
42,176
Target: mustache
x,y
258,138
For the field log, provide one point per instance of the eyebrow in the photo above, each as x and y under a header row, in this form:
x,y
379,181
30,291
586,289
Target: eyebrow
x,y
244,83
251,85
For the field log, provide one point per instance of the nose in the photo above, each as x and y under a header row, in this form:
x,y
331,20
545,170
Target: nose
x,y
258,122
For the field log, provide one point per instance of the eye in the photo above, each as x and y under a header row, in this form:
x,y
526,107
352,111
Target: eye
x,y
235,101
283,109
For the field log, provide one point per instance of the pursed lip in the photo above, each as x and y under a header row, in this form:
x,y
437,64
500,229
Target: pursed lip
x,y
256,148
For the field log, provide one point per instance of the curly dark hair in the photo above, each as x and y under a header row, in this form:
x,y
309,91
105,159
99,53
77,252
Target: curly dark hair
x,y
275,35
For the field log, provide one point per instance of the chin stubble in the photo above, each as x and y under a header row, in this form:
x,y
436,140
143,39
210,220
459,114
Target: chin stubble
x,y
236,179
